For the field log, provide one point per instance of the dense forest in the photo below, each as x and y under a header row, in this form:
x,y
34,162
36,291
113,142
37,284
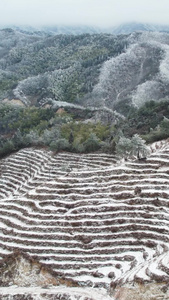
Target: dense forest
x,y
83,92
63,67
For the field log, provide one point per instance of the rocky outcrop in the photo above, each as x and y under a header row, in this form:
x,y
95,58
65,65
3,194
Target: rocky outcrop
x,y
135,291
22,270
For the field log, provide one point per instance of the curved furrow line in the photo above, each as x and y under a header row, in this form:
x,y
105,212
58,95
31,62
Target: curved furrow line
x,y
87,215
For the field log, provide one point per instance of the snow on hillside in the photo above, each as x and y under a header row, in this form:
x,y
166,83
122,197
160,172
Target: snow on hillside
x,y
88,217
59,293
140,74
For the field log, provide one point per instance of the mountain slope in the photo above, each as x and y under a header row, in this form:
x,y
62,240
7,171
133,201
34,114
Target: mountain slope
x,y
138,75
91,70
64,67
88,217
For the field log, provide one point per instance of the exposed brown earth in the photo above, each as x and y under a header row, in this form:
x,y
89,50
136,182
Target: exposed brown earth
x,y
101,222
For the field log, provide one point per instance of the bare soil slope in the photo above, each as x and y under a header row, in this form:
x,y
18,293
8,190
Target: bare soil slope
x,y
101,222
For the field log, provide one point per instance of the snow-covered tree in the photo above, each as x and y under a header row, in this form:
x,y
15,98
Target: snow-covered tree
x,y
124,147
132,147
139,147
32,86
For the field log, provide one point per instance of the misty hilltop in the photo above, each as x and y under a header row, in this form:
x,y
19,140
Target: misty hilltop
x,y
123,28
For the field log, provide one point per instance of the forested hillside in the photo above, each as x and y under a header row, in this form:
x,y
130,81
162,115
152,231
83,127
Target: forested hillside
x,y
100,82
63,67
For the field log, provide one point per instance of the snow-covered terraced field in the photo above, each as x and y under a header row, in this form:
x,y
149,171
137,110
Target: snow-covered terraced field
x,y
88,217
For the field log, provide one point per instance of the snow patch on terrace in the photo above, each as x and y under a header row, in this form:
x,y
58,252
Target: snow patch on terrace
x,y
83,293
90,243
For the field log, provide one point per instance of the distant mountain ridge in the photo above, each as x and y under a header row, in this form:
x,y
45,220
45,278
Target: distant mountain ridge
x,y
127,28
124,28
56,29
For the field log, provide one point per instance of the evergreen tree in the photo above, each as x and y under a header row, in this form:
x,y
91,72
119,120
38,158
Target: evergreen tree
x,y
131,147
139,148
60,144
124,147
92,143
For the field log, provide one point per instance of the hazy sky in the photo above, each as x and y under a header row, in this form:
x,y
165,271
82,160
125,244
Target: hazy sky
x,y
102,13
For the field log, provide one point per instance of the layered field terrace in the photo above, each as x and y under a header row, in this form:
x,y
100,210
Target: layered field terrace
x,y
89,217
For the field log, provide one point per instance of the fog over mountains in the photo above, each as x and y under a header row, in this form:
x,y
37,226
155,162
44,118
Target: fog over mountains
x,y
124,28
